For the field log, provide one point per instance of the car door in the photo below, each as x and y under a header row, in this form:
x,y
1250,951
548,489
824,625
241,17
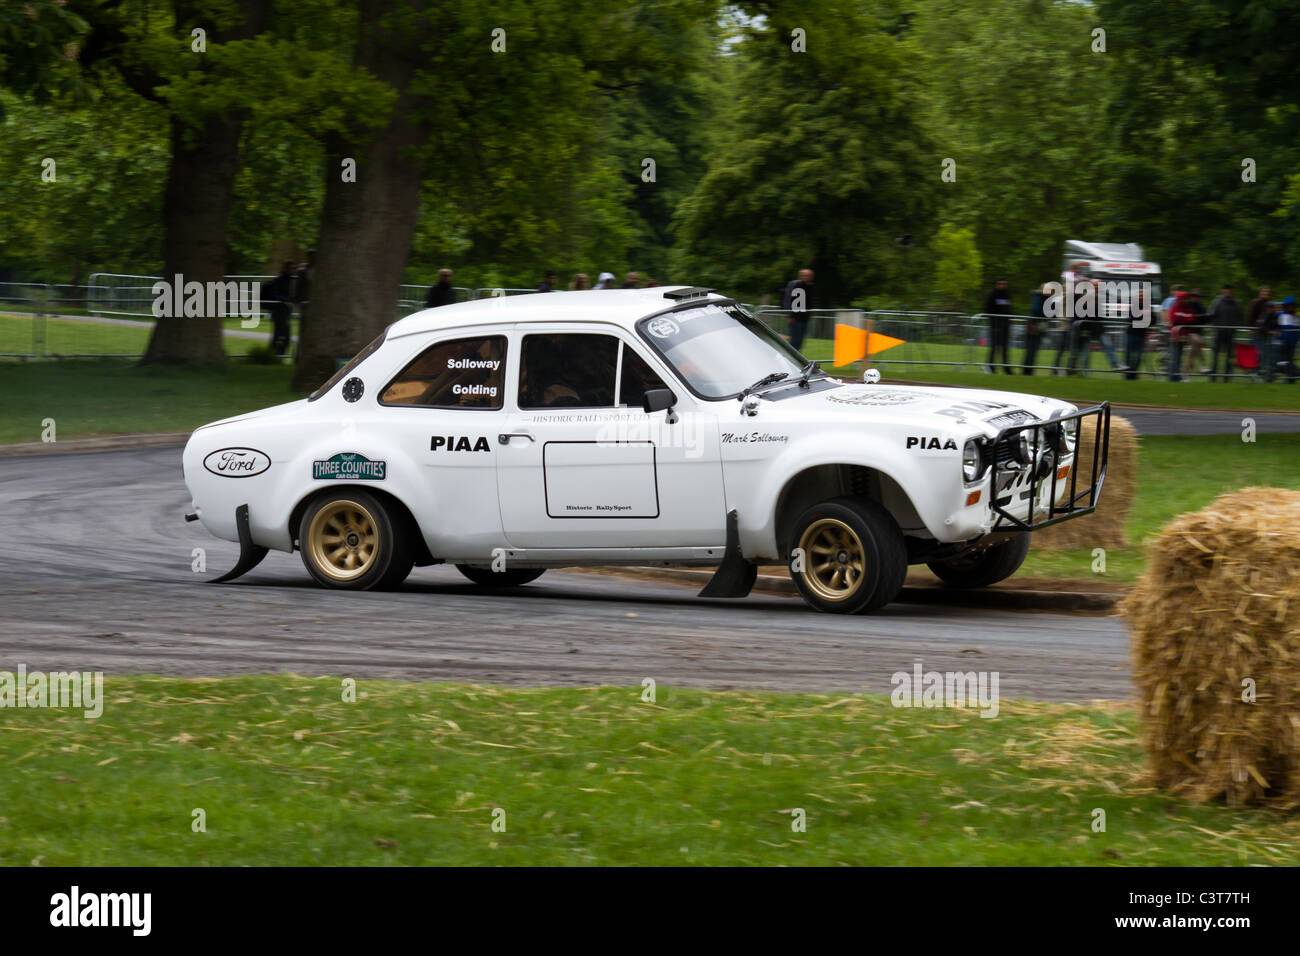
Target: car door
x,y
580,464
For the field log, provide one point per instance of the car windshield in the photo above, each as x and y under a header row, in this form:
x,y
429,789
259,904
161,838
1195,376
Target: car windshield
x,y
719,351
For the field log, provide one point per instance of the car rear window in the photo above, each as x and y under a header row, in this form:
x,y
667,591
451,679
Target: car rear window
x,y
461,373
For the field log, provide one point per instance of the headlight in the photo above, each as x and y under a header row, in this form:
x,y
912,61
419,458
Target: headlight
x,y
1063,436
972,460
1069,436
1024,448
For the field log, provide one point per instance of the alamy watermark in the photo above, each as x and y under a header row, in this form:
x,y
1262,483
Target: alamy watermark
x,y
61,689
198,300
1099,299
975,689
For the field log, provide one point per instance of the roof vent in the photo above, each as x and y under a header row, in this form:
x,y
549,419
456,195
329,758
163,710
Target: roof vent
x,y
694,292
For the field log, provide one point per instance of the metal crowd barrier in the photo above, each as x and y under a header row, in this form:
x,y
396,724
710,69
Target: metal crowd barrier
x,y
964,341
930,338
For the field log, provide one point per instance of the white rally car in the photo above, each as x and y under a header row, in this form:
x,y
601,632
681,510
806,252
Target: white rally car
x,y
637,427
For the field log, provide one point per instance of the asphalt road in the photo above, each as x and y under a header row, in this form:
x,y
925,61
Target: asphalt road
x,y
1190,421
96,574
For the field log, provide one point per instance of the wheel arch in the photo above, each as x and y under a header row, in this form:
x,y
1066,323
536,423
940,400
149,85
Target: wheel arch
x,y
833,480
397,509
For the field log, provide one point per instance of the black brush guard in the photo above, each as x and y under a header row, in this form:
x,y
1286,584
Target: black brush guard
x,y
1043,448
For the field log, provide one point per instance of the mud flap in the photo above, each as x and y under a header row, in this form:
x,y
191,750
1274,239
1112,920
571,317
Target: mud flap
x,y
735,577
250,555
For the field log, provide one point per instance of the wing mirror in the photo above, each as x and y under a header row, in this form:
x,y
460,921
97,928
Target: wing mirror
x,y
658,399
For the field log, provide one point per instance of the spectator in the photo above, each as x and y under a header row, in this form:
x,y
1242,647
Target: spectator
x,y
797,301
1261,322
605,281
1085,328
302,292
302,283
548,282
1225,316
441,292
1100,308
1288,328
997,307
1170,301
279,292
632,281
1035,327
1135,338
580,282
1064,334
1178,318
1196,334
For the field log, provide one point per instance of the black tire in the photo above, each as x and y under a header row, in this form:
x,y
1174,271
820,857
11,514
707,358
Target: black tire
x,y
500,579
983,566
840,537
340,523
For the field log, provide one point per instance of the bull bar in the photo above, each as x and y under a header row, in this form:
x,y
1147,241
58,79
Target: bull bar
x,y
1045,451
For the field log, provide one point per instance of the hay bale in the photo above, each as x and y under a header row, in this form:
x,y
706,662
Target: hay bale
x,y
1104,528
1220,604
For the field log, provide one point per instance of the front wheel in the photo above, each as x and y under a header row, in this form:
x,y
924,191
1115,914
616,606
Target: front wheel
x,y
981,567
849,556
349,541
500,579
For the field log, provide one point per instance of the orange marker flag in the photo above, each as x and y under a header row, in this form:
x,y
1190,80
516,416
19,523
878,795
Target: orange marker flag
x,y
852,344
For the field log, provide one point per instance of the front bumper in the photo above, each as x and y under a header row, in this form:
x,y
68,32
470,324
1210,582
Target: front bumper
x,y
1033,495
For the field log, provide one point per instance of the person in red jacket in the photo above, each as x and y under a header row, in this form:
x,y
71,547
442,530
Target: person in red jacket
x,y
1178,319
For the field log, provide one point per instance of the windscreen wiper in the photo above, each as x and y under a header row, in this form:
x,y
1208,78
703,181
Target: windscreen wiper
x,y
809,369
771,379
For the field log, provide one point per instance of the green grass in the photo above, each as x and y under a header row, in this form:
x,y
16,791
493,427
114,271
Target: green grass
x,y
115,396
1176,474
900,363
63,337
287,774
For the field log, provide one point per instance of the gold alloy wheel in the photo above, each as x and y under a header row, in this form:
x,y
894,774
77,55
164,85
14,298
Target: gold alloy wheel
x,y
342,539
834,560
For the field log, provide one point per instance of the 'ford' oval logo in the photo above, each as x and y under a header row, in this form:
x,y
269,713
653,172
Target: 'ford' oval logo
x,y
237,462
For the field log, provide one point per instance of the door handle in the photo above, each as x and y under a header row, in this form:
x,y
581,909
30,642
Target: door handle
x,y
504,437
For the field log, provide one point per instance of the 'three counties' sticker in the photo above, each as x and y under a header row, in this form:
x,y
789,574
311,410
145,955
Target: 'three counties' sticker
x,y
349,465
663,328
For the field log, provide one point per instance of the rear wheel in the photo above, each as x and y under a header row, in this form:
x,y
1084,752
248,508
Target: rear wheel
x,y
500,579
350,541
981,567
849,557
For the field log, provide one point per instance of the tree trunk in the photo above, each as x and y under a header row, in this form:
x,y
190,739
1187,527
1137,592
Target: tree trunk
x,y
196,212
367,226
199,194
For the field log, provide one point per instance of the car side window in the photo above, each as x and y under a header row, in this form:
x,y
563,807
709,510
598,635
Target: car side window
x,y
463,373
636,378
568,370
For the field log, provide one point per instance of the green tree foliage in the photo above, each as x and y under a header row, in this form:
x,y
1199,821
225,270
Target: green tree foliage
x,y
550,174
958,267
1207,86
765,159
1016,98
823,163
39,46
97,204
